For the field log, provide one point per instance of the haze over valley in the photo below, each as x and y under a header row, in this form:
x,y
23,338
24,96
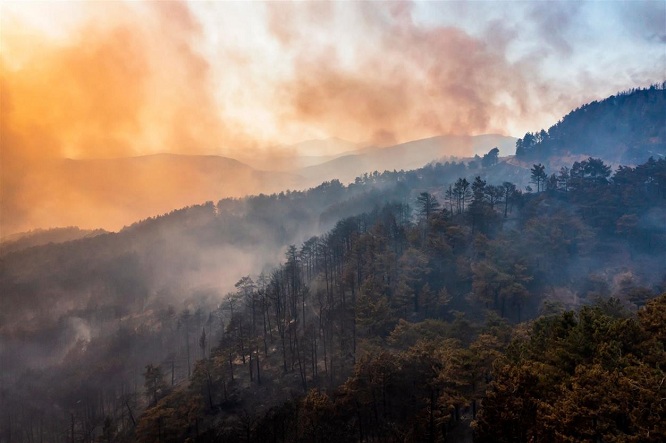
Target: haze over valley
x,y
132,79
332,221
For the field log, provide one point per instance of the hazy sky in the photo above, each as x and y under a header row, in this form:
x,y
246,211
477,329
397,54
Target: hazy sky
x,y
118,78
109,78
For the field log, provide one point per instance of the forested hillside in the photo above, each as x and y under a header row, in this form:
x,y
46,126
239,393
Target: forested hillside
x,y
626,128
392,328
304,222
404,323
64,291
40,237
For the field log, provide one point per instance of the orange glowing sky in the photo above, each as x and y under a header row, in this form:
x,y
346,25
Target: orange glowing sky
x,y
240,79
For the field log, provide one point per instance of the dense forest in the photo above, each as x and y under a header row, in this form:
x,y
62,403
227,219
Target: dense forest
x,y
625,128
393,328
106,300
455,309
40,237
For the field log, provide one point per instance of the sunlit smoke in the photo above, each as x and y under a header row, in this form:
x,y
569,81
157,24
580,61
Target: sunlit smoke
x,y
113,79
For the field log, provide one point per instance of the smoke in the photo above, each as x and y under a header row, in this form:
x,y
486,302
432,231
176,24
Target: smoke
x,y
134,84
397,81
386,74
128,85
114,79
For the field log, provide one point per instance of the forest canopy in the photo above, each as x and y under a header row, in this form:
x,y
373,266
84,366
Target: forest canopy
x,y
411,322
625,128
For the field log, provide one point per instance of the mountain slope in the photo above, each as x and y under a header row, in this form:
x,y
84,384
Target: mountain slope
x,y
41,237
301,155
111,193
80,320
98,310
625,128
405,156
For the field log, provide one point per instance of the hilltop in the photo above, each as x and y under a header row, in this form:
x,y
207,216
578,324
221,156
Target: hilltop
x,y
626,128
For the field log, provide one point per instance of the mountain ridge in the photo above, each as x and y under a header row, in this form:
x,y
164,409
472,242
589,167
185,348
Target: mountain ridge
x,y
627,128
406,156
114,192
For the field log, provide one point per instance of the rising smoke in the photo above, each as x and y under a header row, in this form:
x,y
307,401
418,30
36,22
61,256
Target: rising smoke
x,y
124,79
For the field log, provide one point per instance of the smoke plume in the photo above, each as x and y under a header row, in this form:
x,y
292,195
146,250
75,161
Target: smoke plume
x,y
113,79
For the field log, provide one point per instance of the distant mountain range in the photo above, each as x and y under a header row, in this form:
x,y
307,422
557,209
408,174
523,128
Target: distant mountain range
x,y
40,237
407,156
341,156
112,193
301,155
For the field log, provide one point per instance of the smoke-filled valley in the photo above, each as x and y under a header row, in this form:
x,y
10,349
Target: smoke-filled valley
x,y
310,222
113,193
206,322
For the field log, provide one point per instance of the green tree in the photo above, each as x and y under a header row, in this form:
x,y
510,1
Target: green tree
x,y
154,384
462,194
510,192
490,159
427,205
538,176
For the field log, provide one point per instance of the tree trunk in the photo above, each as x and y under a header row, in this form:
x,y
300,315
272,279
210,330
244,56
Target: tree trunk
x,y
431,431
187,347
209,382
256,359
